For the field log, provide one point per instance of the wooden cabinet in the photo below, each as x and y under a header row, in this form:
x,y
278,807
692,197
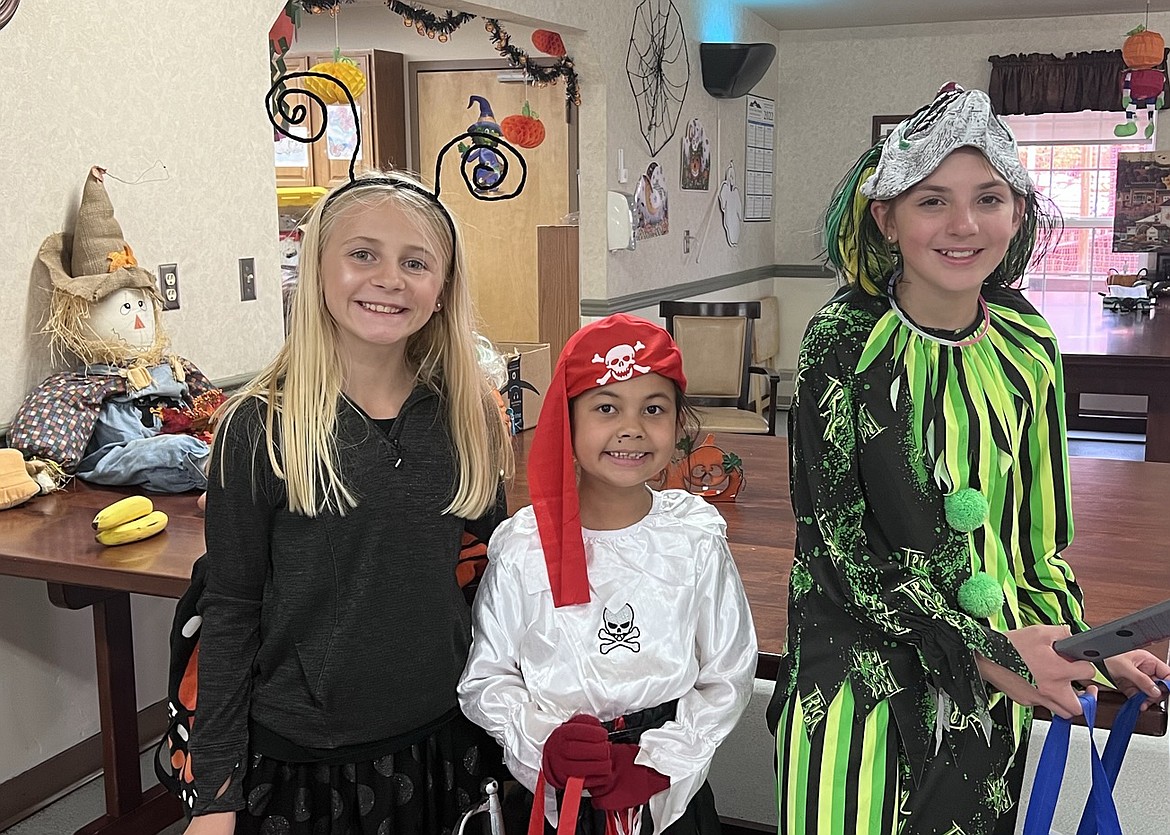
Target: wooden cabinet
x,y
294,160
381,113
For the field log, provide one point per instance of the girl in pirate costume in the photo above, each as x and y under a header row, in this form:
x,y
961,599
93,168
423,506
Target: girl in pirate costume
x,y
931,494
613,646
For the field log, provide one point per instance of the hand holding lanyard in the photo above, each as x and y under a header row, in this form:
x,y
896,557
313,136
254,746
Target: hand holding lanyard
x,y
1100,815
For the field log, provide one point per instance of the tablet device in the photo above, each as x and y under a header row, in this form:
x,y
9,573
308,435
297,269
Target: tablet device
x,y
1129,632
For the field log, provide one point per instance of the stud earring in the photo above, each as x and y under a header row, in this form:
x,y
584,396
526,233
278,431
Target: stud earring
x,y
438,306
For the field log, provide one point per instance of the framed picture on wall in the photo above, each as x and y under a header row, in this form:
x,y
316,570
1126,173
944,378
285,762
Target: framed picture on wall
x,y
882,125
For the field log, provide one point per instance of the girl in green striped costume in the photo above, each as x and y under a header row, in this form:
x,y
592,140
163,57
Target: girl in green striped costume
x,y
930,487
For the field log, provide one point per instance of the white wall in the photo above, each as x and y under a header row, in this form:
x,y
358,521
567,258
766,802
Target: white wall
x,y
833,81
103,83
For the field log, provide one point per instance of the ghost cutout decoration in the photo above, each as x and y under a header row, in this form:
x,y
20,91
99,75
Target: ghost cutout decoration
x,y
731,205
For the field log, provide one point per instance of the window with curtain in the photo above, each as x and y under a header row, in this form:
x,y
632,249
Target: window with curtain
x,y
1073,159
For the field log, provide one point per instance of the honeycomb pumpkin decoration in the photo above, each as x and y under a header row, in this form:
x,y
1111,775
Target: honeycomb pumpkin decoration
x,y
344,70
524,128
1143,49
549,42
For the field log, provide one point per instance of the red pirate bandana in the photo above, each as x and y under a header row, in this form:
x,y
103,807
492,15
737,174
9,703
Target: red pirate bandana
x,y
611,350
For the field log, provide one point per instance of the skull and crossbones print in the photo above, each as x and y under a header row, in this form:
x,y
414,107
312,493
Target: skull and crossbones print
x,y
619,630
621,362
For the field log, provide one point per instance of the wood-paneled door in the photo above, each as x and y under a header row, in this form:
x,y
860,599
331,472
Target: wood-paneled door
x,y
500,237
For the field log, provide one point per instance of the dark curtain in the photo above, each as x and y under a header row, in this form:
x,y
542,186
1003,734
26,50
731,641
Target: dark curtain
x,y
1038,83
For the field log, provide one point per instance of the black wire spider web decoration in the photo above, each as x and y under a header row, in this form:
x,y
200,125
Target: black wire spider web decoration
x,y
659,70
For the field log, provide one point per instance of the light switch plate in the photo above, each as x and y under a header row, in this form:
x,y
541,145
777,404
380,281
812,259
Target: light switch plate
x,y
247,279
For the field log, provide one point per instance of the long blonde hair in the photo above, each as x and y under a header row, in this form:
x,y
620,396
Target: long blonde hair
x,y
302,385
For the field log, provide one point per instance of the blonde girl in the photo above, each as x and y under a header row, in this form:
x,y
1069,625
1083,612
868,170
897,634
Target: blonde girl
x,y
343,480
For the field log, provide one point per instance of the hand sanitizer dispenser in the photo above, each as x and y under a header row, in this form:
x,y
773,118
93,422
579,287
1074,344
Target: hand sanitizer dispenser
x,y
619,216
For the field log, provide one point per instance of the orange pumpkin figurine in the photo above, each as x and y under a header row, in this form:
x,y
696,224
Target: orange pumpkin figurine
x,y
524,128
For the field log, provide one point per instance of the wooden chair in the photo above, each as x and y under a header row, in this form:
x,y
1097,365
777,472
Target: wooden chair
x,y
716,343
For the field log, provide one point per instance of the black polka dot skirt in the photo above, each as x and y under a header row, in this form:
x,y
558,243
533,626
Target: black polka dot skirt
x,y
421,790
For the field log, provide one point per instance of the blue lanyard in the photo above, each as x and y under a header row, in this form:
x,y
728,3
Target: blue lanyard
x,y
1100,815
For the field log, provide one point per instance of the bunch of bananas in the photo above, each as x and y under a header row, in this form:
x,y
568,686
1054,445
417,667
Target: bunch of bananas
x,y
128,520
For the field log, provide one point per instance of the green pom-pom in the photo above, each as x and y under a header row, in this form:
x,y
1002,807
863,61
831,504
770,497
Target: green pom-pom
x,y
980,595
966,509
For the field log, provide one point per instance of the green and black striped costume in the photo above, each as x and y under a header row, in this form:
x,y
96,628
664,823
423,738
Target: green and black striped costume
x,y
883,723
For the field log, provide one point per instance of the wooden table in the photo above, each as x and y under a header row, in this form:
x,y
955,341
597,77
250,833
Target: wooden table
x,y
1118,554
1113,352
50,538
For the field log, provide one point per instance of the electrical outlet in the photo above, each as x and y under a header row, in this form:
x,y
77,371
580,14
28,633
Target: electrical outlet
x,y
247,279
168,285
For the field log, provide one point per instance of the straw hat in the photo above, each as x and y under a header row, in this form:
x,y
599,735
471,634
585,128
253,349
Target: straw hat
x,y
16,485
95,260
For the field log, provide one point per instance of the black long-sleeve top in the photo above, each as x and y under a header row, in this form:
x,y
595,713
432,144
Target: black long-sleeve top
x,y
331,631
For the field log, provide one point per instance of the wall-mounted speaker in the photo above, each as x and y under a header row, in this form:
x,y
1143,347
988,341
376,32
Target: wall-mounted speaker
x,y
731,70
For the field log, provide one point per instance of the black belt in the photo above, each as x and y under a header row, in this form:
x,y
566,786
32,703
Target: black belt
x,y
629,728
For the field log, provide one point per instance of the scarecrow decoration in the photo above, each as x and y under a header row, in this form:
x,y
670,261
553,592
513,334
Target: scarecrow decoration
x,y
104,420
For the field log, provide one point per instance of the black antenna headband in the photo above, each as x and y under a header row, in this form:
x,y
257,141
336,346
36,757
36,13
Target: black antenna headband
x,y
488,168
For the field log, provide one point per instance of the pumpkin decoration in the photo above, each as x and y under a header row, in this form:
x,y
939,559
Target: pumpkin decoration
x,y
549,43
1142,82
524,128
1143,49
705,470
344,70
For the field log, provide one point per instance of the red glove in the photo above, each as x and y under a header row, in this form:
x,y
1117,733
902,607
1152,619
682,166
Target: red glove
x,y
578,748
630,785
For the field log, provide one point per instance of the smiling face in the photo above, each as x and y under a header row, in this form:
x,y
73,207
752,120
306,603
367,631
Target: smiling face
x,y
624,433
123,322
953,229
380,276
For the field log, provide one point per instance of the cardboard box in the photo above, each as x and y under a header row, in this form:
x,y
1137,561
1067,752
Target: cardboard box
x,y
529,373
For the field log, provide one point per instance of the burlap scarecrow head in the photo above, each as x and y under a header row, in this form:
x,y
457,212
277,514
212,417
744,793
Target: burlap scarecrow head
x,y
104,308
